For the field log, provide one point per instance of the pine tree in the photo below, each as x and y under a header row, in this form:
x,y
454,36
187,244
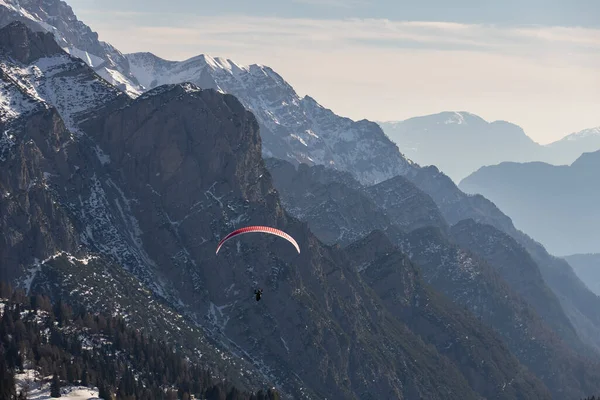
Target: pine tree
x,y
85,377
55,386
103,391
7,379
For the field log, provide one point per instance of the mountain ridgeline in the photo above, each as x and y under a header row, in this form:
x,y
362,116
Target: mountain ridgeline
x,y
474,265
460,143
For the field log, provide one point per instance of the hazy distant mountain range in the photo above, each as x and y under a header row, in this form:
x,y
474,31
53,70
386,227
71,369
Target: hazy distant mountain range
x,y
557,205
459,143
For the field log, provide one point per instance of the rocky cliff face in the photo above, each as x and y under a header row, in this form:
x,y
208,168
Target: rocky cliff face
x,y
407,206
471,282
514,264
475,349
332,203
59,206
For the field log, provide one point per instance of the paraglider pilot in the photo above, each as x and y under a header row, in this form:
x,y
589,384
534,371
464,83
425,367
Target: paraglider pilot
x,y
258,293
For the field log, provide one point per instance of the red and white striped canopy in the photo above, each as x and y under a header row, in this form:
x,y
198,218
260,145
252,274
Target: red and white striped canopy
x,y
258,229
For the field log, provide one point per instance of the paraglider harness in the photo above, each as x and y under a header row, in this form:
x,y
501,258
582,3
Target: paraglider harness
x,y
258,293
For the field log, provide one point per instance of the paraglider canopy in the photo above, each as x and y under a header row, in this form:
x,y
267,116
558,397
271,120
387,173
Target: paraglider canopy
x,y
258,229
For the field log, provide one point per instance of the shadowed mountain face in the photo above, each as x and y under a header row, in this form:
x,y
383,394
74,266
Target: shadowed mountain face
x,y
460,143
186,198
341,210
475,349
556,205
512,262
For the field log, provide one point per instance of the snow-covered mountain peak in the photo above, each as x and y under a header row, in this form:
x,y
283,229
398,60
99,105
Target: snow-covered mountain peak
x,y
586,133
34,69
455,118
73,36
292,128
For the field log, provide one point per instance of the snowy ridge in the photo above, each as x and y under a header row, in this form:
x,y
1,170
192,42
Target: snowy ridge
x,y
16,101
586,133
17,98
61,81
298,129
73,36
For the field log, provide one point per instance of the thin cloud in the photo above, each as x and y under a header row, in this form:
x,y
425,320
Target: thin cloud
x,y
542,78
334,3
275,31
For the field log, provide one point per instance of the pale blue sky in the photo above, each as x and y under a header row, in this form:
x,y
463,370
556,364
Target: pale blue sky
x,y
532,62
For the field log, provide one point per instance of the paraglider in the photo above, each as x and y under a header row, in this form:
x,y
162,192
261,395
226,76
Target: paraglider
x,y
259,229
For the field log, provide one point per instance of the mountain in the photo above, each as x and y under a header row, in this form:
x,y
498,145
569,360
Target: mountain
x,y
459,143
587,268
90,354
341,210
580,304
558,205
292,128
73,36
266,97
481,356
515,265
360,148
126,212
569,148
493,276
471,282
60,208
154,146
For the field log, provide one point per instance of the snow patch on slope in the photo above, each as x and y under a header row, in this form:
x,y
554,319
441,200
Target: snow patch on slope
x,y
17,98
102,63
62,82
583,134
39,389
